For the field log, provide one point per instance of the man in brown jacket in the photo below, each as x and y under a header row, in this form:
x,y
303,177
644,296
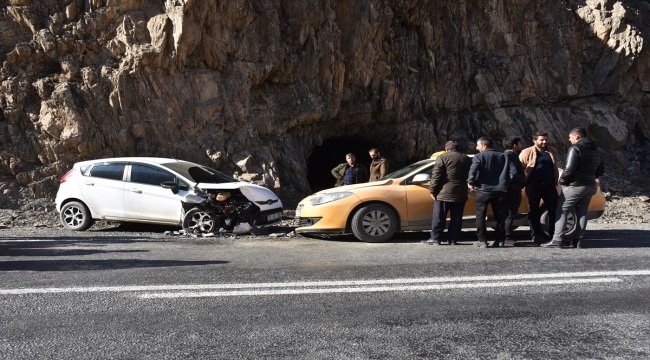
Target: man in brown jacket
x,y
379,165
542,174
449,191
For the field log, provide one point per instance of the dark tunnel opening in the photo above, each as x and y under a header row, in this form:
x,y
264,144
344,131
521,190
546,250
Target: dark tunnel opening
x,y
332,152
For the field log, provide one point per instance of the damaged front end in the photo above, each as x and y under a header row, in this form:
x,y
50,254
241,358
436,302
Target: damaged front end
x,y
213,210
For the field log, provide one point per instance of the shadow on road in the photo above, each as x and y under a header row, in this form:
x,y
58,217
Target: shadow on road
x,y
617,239
593,238
64,246
21,251
133,227
75,265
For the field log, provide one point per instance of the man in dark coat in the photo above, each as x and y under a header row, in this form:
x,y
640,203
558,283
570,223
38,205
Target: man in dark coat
x,y
449,192
512,198
584,163
350,172
490,175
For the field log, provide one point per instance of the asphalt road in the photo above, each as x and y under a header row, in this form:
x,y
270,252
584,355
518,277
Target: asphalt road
x,y
134,293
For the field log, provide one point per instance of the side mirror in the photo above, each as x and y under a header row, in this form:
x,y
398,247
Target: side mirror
x,y
170,185
421,178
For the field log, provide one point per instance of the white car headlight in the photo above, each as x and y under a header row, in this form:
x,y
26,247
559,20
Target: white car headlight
x,y
322,199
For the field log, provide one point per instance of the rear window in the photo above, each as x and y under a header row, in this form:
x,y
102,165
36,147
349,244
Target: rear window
x,y
108,171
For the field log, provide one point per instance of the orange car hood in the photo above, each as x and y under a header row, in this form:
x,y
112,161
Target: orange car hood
x,y
355,186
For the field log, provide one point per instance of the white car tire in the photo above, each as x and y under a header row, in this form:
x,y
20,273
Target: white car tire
x,y
374,223
75,216
200,219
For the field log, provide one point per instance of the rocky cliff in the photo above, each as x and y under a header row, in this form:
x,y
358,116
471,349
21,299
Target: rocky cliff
x,y
251,87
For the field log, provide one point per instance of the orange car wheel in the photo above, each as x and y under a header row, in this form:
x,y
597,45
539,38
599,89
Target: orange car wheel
x,y
569,228
374,223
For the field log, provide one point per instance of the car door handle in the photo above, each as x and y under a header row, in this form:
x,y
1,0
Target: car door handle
x,y
137,191
89,183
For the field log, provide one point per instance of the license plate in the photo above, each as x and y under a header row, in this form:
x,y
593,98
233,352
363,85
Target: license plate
x,y
297,214
275,216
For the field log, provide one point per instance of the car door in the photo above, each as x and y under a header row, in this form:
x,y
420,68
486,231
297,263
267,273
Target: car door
x,y
419,201
145,199
102,188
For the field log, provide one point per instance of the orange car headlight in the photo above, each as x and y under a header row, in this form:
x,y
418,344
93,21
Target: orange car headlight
x,y
325,198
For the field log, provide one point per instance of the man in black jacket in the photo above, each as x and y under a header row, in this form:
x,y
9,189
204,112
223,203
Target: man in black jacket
x,y
489,175
512,198
584,163
449,192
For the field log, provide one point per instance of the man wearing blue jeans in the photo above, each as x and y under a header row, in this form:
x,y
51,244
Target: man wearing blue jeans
x,y
490,175
584,163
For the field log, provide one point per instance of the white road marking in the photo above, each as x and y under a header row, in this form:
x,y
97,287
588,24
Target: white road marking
x,y
324,284
372,288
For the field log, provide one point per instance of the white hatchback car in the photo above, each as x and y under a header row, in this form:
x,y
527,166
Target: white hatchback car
x,y
162,191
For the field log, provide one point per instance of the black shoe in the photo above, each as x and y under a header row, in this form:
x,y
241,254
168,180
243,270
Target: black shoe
x,y
452,242
576,243
552,244
481,244
497,244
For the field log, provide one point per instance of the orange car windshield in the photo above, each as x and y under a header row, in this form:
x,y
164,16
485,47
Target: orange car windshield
x,y
403,171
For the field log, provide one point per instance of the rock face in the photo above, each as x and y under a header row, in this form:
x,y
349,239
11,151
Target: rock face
x,y
252,86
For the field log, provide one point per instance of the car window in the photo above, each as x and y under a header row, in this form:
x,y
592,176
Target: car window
x,y
150,176
404,171
108,171
198,173
182,185
204,174
428,171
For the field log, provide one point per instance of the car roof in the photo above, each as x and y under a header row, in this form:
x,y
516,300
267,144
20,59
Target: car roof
x,y
151,160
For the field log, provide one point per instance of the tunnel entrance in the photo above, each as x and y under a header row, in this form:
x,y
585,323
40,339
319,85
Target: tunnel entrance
x,y
332,152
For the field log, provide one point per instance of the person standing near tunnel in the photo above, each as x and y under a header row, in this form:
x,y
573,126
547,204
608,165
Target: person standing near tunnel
x,y
350,172
379,165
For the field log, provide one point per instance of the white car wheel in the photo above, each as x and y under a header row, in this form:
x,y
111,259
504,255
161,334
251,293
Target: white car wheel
x,y
199,219
75,216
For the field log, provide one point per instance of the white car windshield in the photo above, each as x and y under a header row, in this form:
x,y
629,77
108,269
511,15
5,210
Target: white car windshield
x,y
199,173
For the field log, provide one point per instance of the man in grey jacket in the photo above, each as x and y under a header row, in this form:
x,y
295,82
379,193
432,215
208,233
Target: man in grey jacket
x,y
490,175
449,193
584,163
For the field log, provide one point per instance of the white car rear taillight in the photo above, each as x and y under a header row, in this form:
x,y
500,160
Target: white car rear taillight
x,y
67,175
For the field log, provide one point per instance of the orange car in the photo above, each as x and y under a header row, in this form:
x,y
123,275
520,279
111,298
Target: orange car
x,y
400,201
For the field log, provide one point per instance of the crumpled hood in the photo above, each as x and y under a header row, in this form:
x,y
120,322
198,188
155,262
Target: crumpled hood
x,y
588,143
354,187
264,198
